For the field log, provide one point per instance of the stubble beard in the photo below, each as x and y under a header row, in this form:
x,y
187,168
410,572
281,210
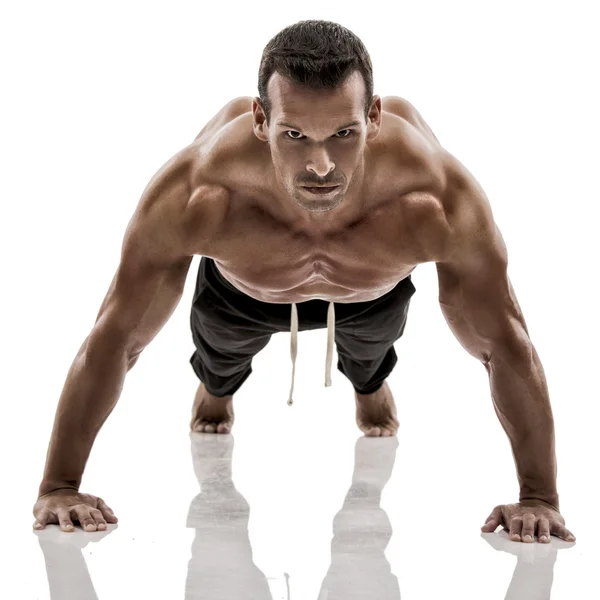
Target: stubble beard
x,y
318,206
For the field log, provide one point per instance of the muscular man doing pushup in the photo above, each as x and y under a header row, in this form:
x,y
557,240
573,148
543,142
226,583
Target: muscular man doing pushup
x,y
310,206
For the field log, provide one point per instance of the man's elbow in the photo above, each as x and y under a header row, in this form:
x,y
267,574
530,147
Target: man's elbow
x,y
108,339
515,350
132,360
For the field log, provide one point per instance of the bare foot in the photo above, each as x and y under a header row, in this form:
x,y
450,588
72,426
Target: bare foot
x,y
376,412
211,414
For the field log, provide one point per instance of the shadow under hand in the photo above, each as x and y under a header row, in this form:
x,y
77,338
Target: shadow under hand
x,y
68,575
221,566
362,530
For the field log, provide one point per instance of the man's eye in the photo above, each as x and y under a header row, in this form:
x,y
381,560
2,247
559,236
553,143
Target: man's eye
x,y
300,136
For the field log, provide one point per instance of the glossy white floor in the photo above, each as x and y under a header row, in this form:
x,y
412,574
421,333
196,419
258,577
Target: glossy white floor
x,y
296,503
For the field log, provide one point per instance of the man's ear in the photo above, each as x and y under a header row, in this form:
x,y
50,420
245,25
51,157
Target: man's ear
x,y
374,119
259,124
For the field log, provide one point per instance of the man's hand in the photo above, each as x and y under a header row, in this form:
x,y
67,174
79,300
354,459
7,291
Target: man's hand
x,y
521,520
61,506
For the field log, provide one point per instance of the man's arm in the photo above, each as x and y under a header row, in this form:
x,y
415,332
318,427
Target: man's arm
x,y
143,294
481,308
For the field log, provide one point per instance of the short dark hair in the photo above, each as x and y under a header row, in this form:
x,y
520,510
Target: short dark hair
x,y
318,54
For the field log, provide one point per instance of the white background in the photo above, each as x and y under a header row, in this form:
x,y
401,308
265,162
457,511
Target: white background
x,y
96,97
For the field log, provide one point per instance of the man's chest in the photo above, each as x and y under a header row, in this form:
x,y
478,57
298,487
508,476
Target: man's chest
x,y
357,263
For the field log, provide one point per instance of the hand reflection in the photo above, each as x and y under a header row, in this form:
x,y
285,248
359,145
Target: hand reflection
x,y
534,571
68,575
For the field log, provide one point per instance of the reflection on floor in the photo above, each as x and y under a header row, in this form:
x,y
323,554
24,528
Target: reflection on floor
x,y
221,566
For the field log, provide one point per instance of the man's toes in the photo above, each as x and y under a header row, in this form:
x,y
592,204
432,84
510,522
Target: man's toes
x,y
372,431
391,428
224,428
202,426
387,430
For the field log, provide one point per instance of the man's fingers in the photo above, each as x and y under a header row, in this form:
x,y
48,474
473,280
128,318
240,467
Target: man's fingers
x,y
107,511
516,526
82,512
97,516
543,530
496,513
42,520
64,520
493,520
528,530
490,526
69,508
562,532
522,526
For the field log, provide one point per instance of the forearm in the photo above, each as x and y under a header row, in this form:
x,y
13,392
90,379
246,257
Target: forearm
x,y
521,400
90,393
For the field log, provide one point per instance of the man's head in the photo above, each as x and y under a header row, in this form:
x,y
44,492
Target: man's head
x,y
316,109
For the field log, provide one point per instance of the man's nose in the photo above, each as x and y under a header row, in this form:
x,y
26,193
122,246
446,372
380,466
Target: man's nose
x,y
320,163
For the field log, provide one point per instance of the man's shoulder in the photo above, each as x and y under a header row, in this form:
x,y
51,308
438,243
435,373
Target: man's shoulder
x,y
226,148
225,115
467,210
399,106
187,198
409,146
407,111
183,203
461,195
463,198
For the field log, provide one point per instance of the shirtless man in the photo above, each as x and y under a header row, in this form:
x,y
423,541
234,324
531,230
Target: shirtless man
x,y
276,254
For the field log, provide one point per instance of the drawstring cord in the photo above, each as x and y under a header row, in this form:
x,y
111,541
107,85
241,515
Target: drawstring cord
x,y
294,345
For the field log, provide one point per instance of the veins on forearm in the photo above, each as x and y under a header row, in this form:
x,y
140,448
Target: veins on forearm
x,y
521,401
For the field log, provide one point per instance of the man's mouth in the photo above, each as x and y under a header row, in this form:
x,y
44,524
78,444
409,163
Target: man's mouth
x,y
320,190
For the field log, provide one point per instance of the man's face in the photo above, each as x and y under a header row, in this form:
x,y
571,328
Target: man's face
x,y
316,137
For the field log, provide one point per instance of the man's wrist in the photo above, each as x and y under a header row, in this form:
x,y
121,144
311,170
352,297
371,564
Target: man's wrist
x,y
531,500
47,487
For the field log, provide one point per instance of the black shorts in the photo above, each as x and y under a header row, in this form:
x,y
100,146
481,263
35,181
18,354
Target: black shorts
x,y
229,328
